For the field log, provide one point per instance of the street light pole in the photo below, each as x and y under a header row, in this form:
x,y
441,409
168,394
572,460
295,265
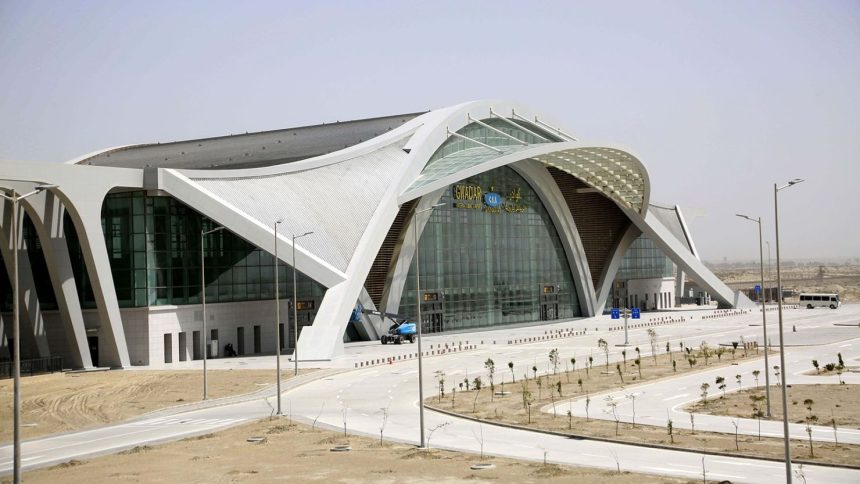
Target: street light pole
x,y
419,322
203,299
782,368
277,320
16,333
296,308
763,314
769,270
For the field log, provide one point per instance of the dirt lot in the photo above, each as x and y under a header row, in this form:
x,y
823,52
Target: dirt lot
x,y
837,402
842,279
61,402
295,453
299,454
511,409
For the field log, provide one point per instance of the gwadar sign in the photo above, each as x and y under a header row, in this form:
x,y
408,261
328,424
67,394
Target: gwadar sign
x,y
473,197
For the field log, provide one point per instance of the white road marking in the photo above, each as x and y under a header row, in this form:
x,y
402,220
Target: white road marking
x,y
676,397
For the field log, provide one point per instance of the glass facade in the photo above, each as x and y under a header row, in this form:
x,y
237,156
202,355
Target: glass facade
x,y
642,260
490,256
153,244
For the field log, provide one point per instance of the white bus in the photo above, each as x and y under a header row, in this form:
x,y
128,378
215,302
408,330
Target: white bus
x,y
813,300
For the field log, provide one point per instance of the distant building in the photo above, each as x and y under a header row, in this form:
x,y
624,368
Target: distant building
x,y
518,222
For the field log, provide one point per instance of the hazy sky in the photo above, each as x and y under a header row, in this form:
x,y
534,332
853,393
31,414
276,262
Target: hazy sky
x,y
719,99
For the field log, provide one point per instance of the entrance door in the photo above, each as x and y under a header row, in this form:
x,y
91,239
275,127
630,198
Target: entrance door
x,y
195,342
93,342
548,302
183,346
258,339
432,312
240,340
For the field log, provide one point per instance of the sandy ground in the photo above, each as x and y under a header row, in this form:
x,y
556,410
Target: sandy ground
x,y
62,402
510,409
837,402
842,279
297,453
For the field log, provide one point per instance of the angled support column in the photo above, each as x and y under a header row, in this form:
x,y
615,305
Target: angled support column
x,y
46,212
611,269
675,250
36,339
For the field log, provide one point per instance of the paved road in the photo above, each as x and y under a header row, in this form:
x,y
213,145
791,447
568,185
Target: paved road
x,y
359,397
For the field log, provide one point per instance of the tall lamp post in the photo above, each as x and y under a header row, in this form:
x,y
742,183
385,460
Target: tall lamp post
x,y
776,190
203,235
763,311
769,270
419,323
277,320
296,308
16,336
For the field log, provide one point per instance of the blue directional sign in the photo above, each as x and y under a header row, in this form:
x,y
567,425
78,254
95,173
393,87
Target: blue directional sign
x,y
616,314
758,289
635,313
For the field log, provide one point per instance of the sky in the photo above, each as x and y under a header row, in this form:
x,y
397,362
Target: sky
x,y
719,99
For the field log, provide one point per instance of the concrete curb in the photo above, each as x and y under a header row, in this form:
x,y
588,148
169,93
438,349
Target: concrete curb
x,y
637,444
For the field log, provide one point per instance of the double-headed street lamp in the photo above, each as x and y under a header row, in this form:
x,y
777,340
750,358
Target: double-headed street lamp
x,y
203,234
419,323
776,190
16,332
296,308
763,311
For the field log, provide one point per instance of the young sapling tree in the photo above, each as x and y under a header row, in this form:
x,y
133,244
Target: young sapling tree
x,y
652,339
490,365
604,346
721,384
738,379
638,364
511,367
756,373
620,374
815,364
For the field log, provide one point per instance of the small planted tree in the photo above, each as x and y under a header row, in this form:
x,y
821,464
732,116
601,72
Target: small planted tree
x,y
691,361
587,404
558,388
734,348
476,383
573,364
810,419
590,364
613,410
706,351
839,358
638,353
529,399
652,339
756,373
738,379
540,387
815,364
638,364
833,424
440,378
674,366
744,345
466,382
632,398
490,365
620,374
569,420
735,423
624,358
669,429
553,360
604,346
692,424
534,370
721,384
720,351
704,393
776,374
511,367
757,411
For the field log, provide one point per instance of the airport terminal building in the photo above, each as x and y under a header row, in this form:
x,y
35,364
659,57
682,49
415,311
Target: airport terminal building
x,y
504,215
